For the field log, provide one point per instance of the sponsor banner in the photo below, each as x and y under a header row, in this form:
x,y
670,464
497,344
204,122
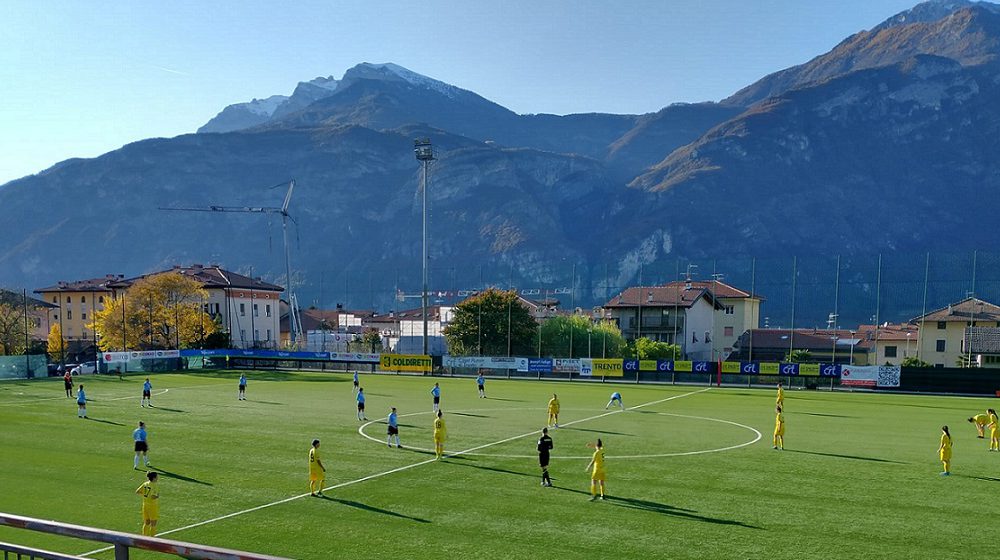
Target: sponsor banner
x,y
484,362
701,367
829,370
648,365
631,366
147,354
809,369
769,368
750,368
607,367
732,367
586,368
367,358
888,376
683,365
114,357
789,369
664,365
539,364
859,376
406,362
566,365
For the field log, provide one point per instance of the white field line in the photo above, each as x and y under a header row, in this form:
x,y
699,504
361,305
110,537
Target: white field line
x,y
393,471
44,399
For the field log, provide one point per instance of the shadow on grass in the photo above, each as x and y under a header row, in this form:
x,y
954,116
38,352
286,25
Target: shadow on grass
x,y
609,432
165,409
266,402
662,509
840,456
176,476
470,415
983,478
503,471
824,415
104,421
502,399
373,509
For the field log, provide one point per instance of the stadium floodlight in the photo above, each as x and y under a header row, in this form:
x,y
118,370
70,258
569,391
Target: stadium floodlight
x,y
424,152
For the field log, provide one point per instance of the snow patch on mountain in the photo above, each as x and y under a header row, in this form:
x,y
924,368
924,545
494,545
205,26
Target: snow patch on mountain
x,y
266,107
390,71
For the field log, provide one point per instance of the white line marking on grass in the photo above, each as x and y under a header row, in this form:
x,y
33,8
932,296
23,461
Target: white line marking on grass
x,y
392,471
89,400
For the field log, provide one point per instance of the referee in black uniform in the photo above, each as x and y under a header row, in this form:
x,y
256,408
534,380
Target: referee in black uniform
x,y
544,446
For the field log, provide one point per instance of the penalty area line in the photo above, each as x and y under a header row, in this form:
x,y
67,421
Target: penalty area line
x,y
396,470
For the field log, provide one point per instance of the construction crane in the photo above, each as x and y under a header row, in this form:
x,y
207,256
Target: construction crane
x,y
294,319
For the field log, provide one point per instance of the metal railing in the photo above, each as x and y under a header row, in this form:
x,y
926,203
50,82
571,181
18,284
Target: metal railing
x,y
120,542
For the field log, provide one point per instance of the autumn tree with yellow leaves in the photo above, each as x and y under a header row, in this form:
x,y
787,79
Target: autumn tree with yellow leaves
x,y
160,311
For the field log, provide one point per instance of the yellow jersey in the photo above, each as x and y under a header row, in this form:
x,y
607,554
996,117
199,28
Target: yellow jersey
x,y
993,422
440,431
553,406
981,419
598,459
314,460
945,447
779,423
150,494
781,395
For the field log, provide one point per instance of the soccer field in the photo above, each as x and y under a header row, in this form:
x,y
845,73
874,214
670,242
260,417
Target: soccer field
x,y
691,472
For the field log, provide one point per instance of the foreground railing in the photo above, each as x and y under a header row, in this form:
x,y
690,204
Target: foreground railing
x,y
121,543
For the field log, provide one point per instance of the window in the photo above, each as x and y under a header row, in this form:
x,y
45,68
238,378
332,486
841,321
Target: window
x,y
256,312
890,351
69,314
727,331
55,316
55,299
942,325
940,345
83,316
708,336
730,310
84,333
100,299
267,310
256,335
243,334
243,310
268,334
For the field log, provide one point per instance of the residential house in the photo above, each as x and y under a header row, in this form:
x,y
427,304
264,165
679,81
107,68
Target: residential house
x,y
823,345
75,304
888,344
36,311
947,334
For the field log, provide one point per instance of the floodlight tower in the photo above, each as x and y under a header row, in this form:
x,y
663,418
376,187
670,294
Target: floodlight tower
x,y
424,152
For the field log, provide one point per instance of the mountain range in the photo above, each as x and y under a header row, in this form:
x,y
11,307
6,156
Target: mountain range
x,y
886,143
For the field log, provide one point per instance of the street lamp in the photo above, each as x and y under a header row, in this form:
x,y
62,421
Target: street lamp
x,y
590,331
424,152
907,354
853,340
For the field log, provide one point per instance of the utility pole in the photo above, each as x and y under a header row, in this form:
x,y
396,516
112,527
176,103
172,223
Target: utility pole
x,y
424,152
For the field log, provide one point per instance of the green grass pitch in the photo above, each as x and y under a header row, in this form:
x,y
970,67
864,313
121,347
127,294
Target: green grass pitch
x,y
859,478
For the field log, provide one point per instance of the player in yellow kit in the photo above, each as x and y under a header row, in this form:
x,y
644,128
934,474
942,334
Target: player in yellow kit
x,y
440,434
980,421
317,472
598,476
944,450
780,401
554,411
779,429
994,425
150,493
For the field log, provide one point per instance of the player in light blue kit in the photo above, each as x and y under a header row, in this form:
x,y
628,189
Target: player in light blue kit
x,y
393,429
243,387
147,394
616,398
141,445
361,404
356,382
481,382
81,402
436,393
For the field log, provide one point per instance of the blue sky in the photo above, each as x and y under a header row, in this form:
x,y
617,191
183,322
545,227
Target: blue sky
x,y
78,79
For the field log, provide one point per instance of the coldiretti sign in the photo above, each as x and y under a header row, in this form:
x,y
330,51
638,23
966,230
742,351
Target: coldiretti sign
x,y
609,367
406,362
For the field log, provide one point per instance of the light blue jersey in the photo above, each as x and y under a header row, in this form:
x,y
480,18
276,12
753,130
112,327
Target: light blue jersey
x,y
147,386
243,380
436,391
355,378
392,420
81,397
361,397
139,434
481,380
616,396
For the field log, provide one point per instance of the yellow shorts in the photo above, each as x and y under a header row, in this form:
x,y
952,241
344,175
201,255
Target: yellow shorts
x,y
151,513
599,476
779,432
317,475
945,455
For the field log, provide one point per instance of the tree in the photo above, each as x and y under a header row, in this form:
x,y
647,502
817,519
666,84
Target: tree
x,y
491,323
370,340
57,344
798,356
12,329
160,311
914,362
646,349
589,339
